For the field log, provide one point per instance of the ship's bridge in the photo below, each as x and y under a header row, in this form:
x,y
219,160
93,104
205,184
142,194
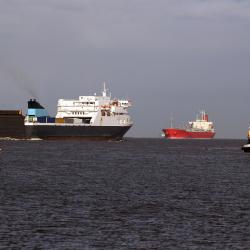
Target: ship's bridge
x,y
87,98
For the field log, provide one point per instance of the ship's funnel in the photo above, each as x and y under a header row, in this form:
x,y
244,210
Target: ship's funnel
x,y
34,104
36,109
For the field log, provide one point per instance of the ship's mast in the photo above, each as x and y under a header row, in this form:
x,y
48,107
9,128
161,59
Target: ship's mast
x,y
171,121
104,92
203,115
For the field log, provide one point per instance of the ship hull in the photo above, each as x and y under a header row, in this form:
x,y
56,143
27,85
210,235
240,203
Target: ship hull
x,y
12,124
55,132
172,133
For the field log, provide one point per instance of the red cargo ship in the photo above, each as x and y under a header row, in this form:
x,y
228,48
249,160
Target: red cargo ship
x,y
201,128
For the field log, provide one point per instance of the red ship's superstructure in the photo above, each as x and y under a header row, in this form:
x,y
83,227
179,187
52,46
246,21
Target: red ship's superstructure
x,y
201,128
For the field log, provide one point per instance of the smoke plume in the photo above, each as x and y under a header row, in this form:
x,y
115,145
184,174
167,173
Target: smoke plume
x,y
21,80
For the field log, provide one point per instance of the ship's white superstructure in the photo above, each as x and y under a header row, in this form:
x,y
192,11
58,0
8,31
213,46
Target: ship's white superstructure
x,y
202,123
96,110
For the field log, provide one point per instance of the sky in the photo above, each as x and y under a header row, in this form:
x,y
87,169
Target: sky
x,y
172,58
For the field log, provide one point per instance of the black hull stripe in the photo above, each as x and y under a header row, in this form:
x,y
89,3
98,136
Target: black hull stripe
x,y
78,132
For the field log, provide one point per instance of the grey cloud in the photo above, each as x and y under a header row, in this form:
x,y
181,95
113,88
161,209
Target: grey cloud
x,y
169,56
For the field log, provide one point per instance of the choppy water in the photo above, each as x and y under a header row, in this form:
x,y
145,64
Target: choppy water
x,y
136,194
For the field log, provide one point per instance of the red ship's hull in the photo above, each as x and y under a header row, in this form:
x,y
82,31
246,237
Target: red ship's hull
x,y
173,133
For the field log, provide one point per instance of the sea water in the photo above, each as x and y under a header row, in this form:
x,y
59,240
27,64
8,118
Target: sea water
x,y
134,194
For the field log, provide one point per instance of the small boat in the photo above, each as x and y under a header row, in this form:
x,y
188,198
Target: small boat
x,y
246,147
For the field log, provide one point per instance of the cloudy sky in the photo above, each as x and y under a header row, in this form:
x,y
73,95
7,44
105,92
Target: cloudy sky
x,y
171,57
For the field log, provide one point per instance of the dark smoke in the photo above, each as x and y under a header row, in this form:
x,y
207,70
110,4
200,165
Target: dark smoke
x,y
21,80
